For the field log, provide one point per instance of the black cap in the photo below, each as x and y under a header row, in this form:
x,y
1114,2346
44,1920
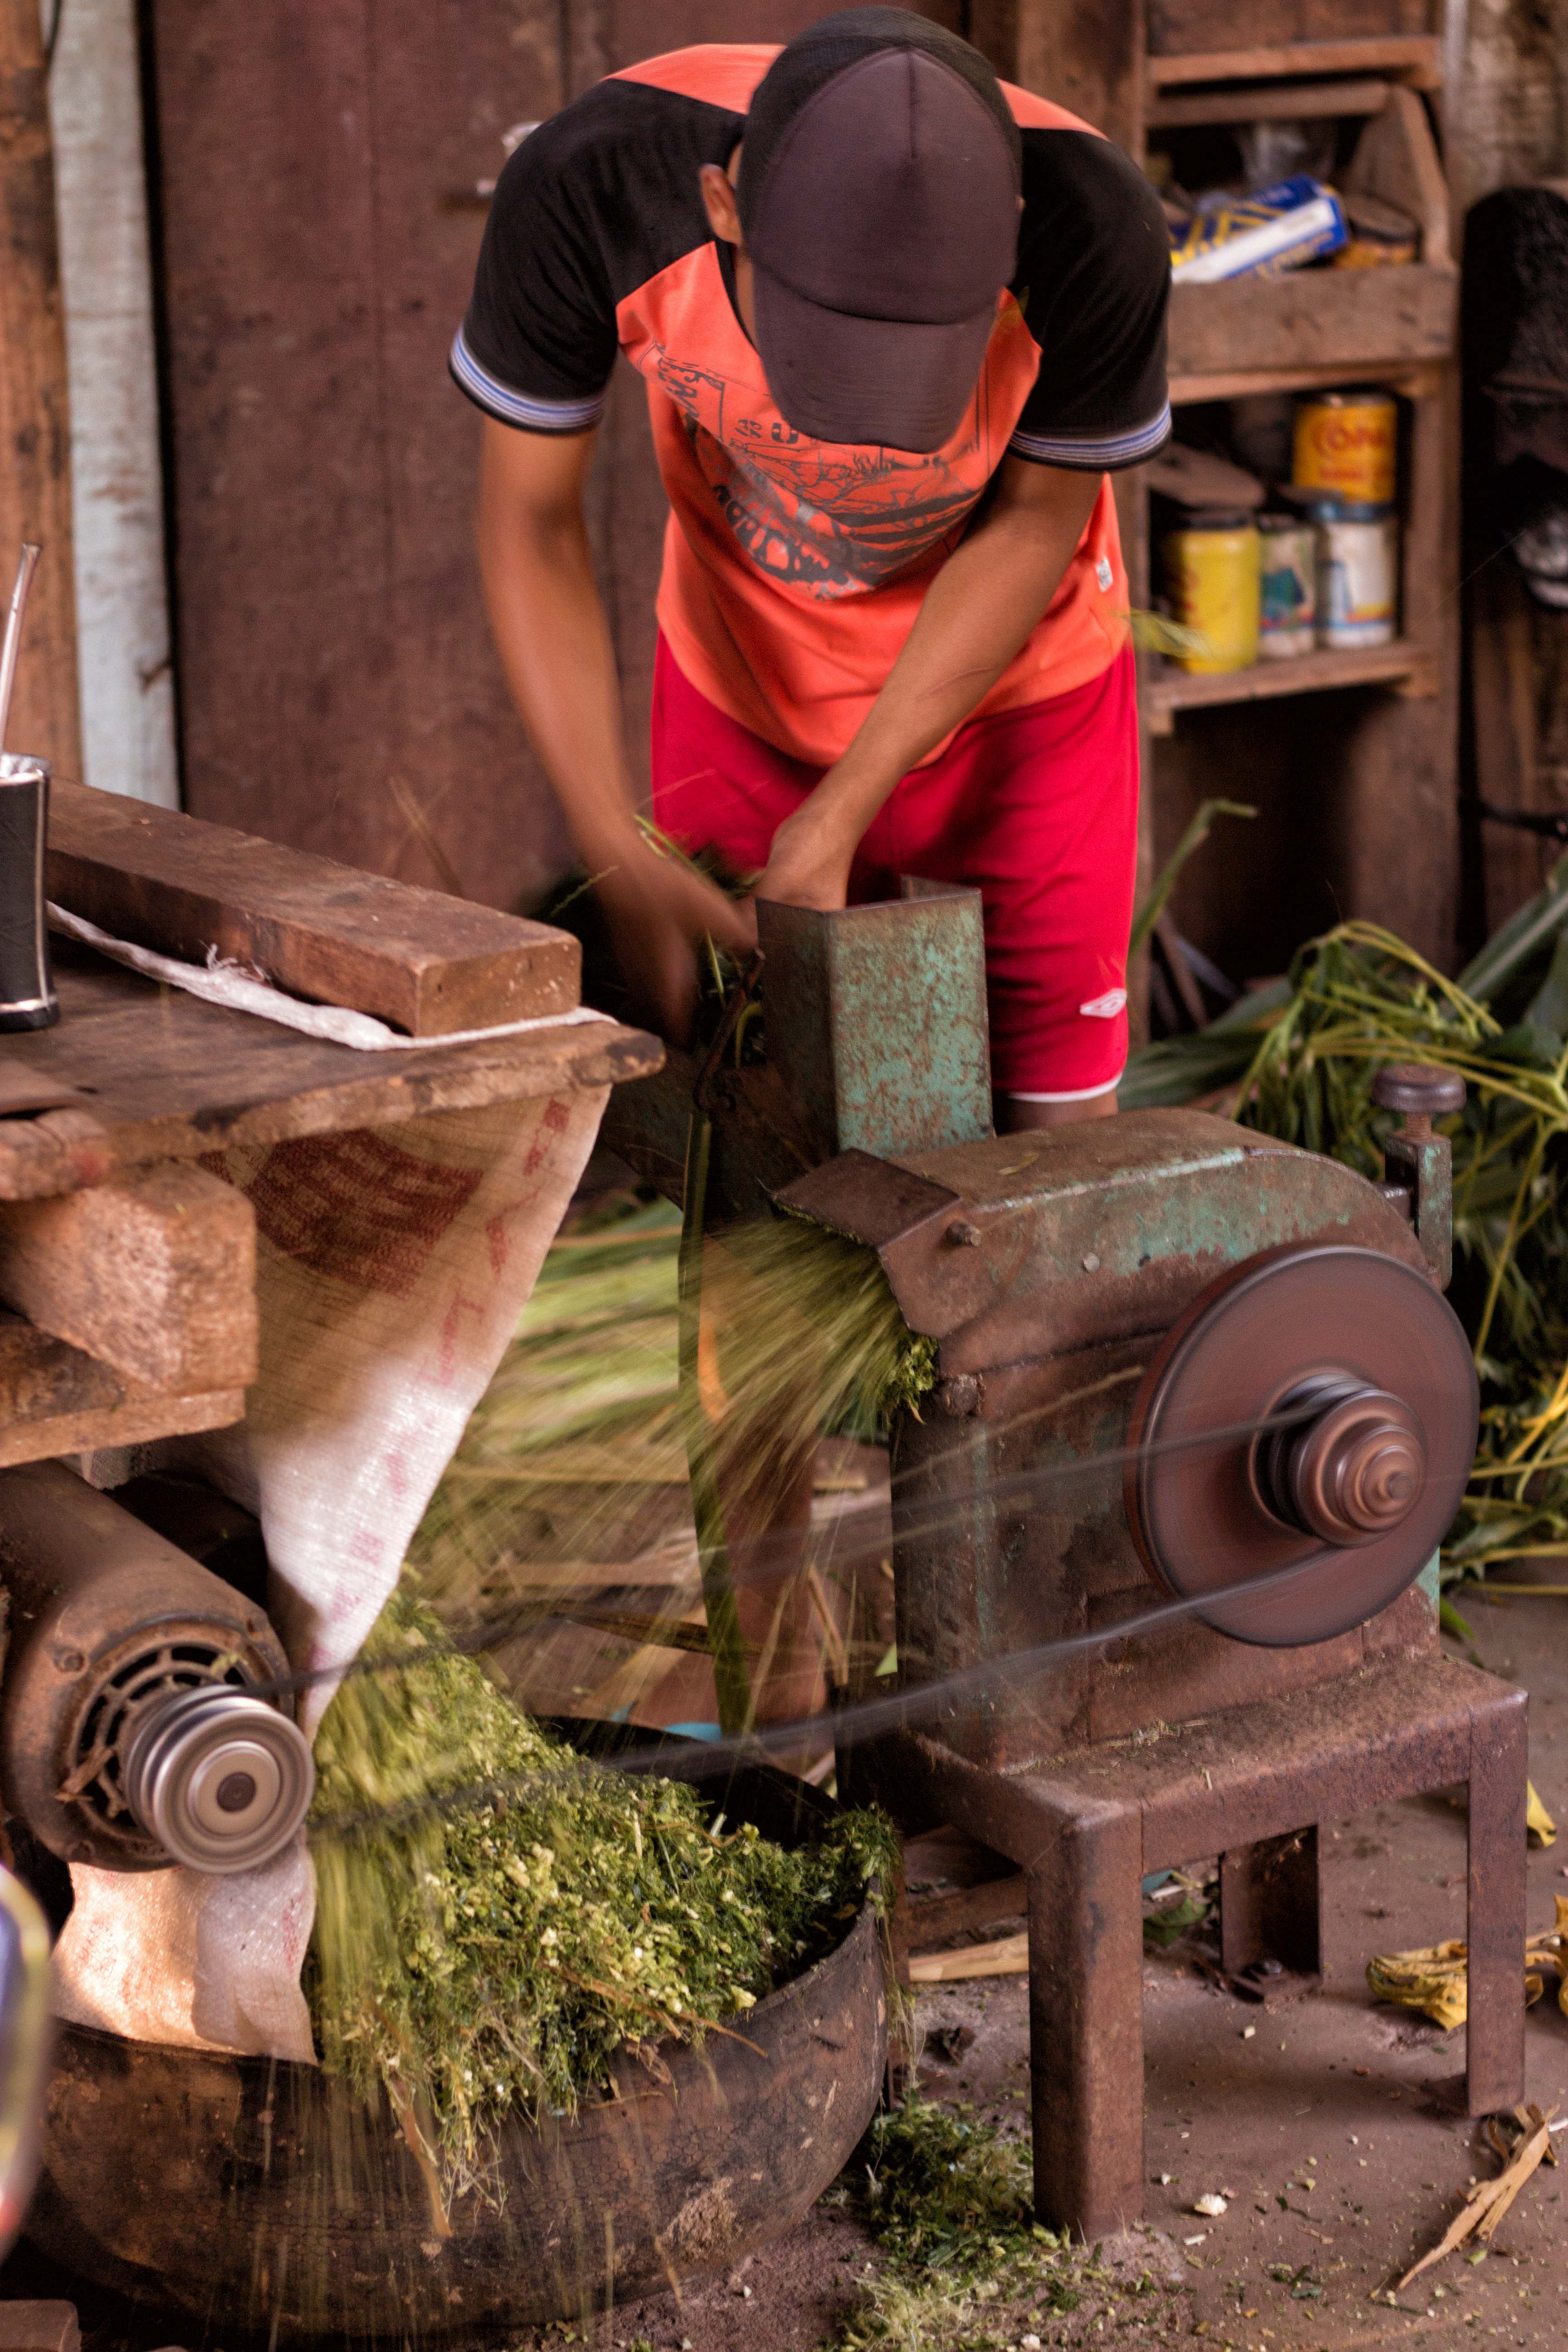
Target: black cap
x,y
879,200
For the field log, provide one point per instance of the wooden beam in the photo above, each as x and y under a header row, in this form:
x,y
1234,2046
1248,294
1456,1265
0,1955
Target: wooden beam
x,y
427,962
1412,382
1269,102
54,1399
58,1152
1408,668
34,419
154,1277
1413,57
1345,326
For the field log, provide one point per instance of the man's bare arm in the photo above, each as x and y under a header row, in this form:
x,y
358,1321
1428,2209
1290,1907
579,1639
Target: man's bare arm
x,y
977,613
554,643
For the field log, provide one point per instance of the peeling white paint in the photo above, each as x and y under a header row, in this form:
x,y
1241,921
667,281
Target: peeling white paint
x,y
117,497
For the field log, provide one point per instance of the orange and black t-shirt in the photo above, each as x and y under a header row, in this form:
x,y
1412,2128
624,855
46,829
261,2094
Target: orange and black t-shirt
x,y
793,569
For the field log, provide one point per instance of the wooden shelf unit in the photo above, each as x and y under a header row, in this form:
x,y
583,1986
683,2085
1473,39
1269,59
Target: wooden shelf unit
x,y
1167,690
1356,777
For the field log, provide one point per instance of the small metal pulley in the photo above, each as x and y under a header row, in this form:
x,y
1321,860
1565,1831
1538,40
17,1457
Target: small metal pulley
x,y
218,1777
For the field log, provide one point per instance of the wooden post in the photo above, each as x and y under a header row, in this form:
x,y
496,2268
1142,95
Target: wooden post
x,y
34,416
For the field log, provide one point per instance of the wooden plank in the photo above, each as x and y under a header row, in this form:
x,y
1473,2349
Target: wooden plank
x,y
56,1400
34,420
1314,673
154,1277
427,962
932,1919
1269,102
59,1152
1396,161
1007,1957
25,1092
1343,323
1178,26
1197,478
170,1077
28,2327
1416,58
1087,59
1419,383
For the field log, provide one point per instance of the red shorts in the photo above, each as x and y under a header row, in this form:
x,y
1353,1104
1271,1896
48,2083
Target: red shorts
x,y
1038,807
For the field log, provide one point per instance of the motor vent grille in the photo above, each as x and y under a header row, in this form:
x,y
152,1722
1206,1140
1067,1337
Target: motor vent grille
x,y
121,1685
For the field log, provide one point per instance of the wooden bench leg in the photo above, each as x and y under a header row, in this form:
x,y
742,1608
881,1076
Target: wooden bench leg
x,y
1494,2037
1086,2021
1270,1905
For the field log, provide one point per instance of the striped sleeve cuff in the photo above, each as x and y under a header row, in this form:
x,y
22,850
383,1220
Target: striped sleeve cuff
x,y
526,410
1095,452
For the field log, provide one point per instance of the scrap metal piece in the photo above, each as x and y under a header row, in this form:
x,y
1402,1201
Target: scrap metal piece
x,y
1368,1376
1418,1160
877,1019
909,1221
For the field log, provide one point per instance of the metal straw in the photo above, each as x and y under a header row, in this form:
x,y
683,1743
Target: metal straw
x,y
13,643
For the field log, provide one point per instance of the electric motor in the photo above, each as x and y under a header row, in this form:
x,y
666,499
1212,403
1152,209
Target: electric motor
x,y
144,1718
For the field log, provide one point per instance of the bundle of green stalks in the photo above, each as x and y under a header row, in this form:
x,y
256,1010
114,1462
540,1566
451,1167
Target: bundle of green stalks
x,y
499,1916
1297,1060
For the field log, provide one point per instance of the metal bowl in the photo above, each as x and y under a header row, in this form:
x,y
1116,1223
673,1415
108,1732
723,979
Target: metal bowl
x,y
257,2195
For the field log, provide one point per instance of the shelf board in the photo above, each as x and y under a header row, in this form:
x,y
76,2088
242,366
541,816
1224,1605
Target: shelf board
x,y
1277,101
1416,58
1311,326
1167,690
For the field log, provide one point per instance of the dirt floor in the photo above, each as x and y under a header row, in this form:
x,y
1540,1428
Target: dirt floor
x,y
1326,2126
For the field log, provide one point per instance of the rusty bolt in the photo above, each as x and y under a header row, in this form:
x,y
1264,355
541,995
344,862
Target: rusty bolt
x,y
959,1394
963,1235
69,1662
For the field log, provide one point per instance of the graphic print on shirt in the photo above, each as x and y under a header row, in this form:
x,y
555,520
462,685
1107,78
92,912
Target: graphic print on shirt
x,y
828,519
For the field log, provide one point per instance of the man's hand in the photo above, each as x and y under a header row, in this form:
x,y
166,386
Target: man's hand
x,y
978,611
808,864
659,913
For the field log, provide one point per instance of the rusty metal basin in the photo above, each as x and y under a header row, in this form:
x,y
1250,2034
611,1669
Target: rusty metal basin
x,y
256,2196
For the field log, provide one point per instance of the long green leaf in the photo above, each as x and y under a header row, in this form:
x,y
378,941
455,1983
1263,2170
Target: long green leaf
x,y
1197,833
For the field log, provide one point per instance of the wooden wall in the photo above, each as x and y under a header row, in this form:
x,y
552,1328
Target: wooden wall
x,y
316,164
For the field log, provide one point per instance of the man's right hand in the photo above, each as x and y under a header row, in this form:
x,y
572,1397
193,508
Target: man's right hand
x,y
659,914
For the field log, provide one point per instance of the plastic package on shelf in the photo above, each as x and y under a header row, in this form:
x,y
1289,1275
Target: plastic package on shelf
x,y
1278,228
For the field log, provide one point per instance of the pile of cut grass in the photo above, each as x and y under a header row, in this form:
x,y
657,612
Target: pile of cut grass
x,y
965,2267
497,1915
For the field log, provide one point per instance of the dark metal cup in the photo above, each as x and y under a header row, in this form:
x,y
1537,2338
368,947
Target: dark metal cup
x,y
28,999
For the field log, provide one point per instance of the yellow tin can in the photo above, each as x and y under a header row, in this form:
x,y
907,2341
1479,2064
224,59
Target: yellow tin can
x,y
1347,445
1213,579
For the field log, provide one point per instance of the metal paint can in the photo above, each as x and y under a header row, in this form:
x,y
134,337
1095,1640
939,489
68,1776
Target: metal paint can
x,y
1288,586
1212,581
1358,573
1347,446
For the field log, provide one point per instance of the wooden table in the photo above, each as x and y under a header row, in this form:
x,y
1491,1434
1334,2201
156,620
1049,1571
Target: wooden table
x,y
93,1191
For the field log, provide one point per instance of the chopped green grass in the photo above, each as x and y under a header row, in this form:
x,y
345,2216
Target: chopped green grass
x,y
486,1959
965,2267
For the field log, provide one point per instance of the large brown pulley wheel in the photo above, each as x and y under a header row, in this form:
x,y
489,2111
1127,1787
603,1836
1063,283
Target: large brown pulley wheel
x,y
1315,1405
